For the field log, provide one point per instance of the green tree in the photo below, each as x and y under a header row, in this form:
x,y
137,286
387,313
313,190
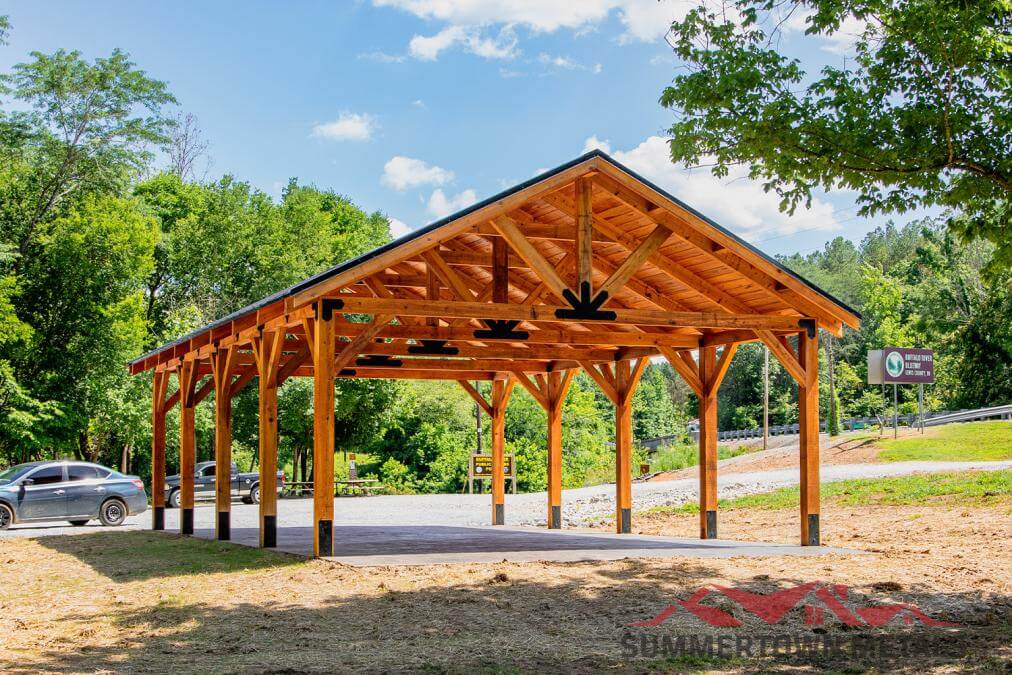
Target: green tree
x,y
918,117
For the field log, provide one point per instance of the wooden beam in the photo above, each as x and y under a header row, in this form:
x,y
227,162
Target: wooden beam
x,y
557,386
808,418
598,374
476,395
223,362
526,382
708,444
501,391
689,374
634,261
542,268
187,444
354,347
720,370
584,236
784,355
324,368
159,384
548,313
500,271
267,351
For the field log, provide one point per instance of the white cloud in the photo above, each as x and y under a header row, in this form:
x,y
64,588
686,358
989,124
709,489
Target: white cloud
x,y
419,103
595,143
643,20
441,206
398,228
402,173
566,63
472,39
737,202
382,57
347,127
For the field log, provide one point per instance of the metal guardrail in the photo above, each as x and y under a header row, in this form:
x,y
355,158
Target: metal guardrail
x,y
909,419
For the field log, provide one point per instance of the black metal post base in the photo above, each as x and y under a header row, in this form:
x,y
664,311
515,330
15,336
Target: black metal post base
x,y
814,538
555,522
186,521
158,518
499,516
625,525
269,528
224,530
325,538
711,525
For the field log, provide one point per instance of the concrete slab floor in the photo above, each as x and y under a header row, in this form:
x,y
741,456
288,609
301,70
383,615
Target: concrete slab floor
x,y
371,545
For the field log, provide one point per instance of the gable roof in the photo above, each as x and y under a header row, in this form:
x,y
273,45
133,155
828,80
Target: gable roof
x,y
751,271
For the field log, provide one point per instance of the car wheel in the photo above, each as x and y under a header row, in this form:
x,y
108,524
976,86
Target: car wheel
x,y
78,523
113,513
254,494
6,516
174,499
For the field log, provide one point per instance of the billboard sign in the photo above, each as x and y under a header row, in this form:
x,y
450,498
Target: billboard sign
x,y
900,365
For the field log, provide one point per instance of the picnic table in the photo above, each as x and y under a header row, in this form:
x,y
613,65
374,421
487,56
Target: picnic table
x,y
357,486
304,488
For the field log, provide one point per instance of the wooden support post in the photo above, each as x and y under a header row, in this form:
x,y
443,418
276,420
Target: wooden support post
x,y
158,387
501,391
187,444
808,414
711,374
323,430
584,237
627,376
267,353
555,397
222,365
707,445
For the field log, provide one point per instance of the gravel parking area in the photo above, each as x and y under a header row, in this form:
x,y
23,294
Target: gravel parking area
x,y
582,506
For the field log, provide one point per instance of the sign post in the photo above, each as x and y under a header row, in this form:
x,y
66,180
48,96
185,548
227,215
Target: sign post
x,y
480,468
901,365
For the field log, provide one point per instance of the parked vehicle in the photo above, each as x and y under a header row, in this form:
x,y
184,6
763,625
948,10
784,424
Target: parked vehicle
x,y
68,490
246,486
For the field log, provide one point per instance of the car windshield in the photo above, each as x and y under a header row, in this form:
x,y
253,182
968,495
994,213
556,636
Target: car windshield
x,y
12,474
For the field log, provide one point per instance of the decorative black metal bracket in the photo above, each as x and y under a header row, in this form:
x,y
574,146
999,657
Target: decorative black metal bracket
x,y
809,326
501,330
433,348
378,361
346,372
585,308
328,306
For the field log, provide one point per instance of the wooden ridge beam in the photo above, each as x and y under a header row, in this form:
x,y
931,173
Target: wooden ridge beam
x,y
547,313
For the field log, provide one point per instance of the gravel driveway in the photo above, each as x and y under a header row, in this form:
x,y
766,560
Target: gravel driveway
x,y
580,506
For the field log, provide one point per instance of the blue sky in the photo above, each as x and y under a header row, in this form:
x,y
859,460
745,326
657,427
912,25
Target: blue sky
x,y
418,107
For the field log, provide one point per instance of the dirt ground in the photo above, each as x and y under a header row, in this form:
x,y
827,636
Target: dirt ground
x,y
838,451
153,602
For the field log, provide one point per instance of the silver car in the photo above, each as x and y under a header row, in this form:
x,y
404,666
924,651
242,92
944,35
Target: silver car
x,y
68,490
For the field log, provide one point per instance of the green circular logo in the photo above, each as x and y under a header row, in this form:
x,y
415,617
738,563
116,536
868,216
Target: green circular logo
x,y
894,364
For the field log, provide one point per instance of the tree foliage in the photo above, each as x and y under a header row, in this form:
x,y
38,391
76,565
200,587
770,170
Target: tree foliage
x,y
919,116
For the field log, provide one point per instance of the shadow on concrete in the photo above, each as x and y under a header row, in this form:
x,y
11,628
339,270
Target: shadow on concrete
x,y
135,555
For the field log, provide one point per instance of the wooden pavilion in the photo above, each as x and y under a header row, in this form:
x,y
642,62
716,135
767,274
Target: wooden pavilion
x,y
585,266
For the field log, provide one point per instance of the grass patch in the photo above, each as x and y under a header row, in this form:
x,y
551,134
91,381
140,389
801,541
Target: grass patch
x,y
971,441
682,456
964,488
131,556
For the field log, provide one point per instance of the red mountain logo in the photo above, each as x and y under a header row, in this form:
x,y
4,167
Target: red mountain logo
x,y
815,596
